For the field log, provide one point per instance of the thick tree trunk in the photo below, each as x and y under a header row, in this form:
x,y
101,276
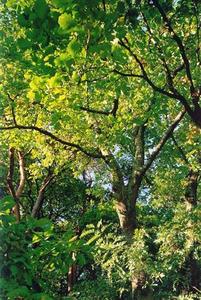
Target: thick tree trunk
x,y
128,223
127,219
195,274
191,189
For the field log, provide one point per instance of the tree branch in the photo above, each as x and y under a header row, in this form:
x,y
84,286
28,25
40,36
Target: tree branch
x,y
97,154
128,74
11,155
183,155
178,40
174,95
16,208
22,175
101,112
38,204
162,142
169,76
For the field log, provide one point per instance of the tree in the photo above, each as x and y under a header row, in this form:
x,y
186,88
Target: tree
x,y
104,87
63,121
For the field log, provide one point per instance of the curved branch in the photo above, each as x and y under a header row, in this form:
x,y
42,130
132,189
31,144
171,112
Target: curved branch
x,y
162,142
128,74
97,154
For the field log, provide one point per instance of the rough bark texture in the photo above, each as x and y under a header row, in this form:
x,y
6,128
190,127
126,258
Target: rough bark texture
x,y
127,219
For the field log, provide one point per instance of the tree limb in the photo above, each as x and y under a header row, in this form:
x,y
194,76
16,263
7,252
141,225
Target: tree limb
x,y
11,155
181,151
145,76
11,188
22,174
101,112
162,142
128,74
96,154
178,40
38,204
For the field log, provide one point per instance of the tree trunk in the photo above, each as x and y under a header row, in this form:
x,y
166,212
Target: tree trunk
x,y
72,275
195,274
127,219
191,189
191,201
16,194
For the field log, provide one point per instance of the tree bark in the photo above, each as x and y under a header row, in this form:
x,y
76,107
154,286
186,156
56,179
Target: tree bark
x,y
72,276
191,189
16,194
191,202
127,218
39,201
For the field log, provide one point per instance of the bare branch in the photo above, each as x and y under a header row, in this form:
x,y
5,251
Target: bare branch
x,y
16,208
91,110
177,70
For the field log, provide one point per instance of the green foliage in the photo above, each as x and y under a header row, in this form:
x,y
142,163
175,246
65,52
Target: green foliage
x,y
79,81
66,21
35,255
100,288
95,213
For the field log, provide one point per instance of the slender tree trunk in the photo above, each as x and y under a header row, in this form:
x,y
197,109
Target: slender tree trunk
x,y
16,194
16,210
71,276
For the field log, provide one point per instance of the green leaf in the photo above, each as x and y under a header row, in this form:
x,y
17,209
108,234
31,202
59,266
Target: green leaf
x,y
81,259
74,47
19,292
66,21
41,8
44,224
6,203
23,43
